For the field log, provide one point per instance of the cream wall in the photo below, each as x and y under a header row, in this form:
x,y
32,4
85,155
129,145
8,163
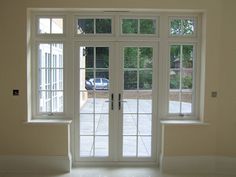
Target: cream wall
x,y
216,138
226,123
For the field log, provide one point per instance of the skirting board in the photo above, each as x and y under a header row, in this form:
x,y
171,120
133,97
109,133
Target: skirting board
x,y
35,163
198,164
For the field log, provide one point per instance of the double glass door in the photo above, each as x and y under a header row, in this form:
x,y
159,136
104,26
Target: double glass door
x,y
115,100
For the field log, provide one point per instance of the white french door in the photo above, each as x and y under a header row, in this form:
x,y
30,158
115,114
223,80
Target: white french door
x,y
116,92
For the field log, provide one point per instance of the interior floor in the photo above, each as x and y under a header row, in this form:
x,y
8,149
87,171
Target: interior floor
x,y
110,172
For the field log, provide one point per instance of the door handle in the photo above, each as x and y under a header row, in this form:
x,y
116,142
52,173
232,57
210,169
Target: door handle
x,y
112,101
120,101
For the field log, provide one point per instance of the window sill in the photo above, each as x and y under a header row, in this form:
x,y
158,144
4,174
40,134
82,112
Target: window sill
x,y
183,122
47,121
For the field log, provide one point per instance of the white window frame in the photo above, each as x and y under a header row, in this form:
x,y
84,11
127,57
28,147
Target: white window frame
x,y
139,17
169,40
48,35
191,115
35,40
36,107
70,36
184,17
94,17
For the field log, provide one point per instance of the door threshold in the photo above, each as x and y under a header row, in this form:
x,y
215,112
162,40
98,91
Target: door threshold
x,y
115,164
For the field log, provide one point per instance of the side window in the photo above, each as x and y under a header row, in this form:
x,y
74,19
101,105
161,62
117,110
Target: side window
x,y
48,61
50,78
181,79
182,66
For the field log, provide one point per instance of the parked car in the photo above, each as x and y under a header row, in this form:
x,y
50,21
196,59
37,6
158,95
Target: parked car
x,y
88,85
100,83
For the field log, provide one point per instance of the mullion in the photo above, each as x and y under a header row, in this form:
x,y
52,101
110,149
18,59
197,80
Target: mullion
x,y
138,80
50,72
94,96
181,73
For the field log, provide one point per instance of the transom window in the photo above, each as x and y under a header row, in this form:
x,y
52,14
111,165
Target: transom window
x,y
50,25
94,26
182,26
139,26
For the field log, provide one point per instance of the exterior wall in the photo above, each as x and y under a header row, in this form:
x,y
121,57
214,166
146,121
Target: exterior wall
x,y
217,138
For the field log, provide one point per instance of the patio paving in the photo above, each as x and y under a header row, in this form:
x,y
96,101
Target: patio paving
x,y
94,121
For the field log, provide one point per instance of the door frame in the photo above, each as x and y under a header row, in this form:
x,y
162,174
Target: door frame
x,y
120,89
77,99
116,116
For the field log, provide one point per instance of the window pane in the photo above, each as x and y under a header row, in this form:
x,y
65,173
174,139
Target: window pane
x,y
88,80
101,74
174,79
102,57
186,102
101,124
130,26
44,25
145,80
57,55
50,25
57,79
44,60
130,80
145,57
103,26
86,57
101,102
130,57
147,26
57,101
174,102
44,79
129,146
187,56
101,146
182,27
86,146
145,124
86,102
188,27
130,104
144,146
86,124
175,27
130,124
187,79
145,102
45,101
85,26
57,25
175,56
